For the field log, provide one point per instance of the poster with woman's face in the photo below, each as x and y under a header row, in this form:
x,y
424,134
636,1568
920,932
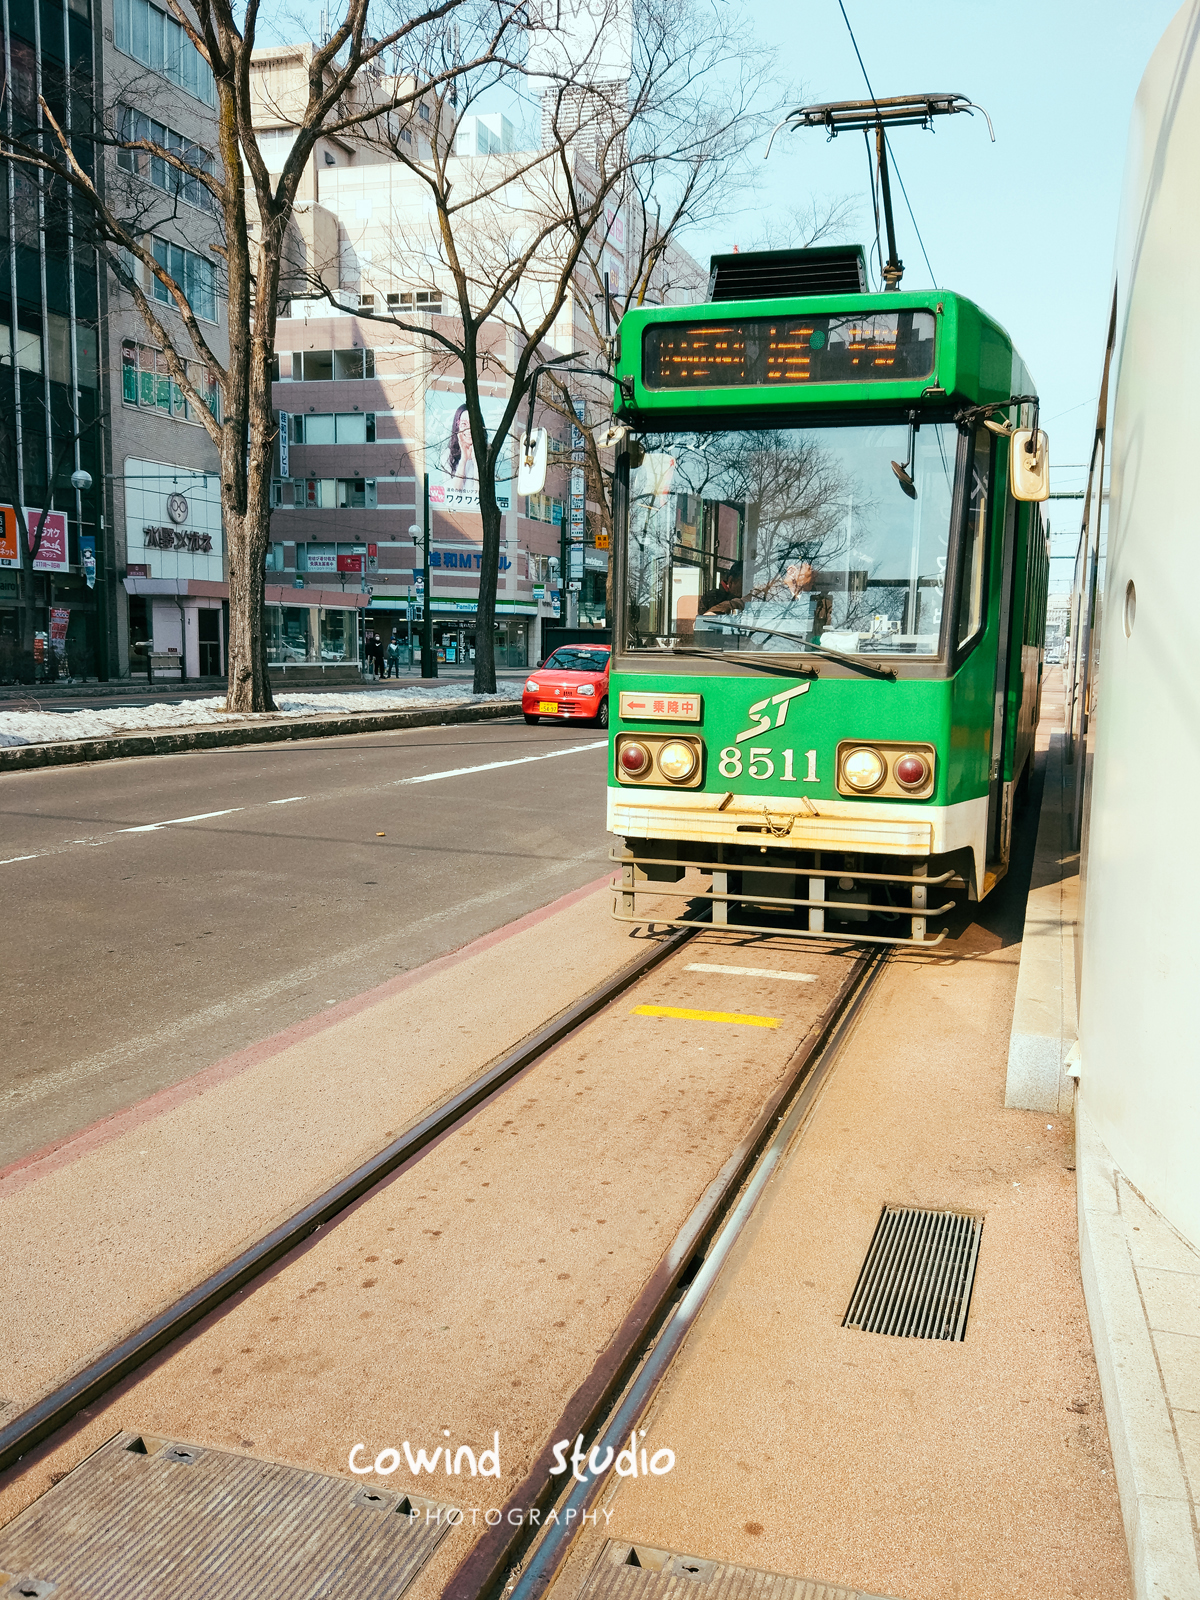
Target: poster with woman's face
x,y
450,453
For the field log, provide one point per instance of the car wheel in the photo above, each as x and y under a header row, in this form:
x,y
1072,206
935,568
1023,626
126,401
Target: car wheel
x,y
532,721
602,714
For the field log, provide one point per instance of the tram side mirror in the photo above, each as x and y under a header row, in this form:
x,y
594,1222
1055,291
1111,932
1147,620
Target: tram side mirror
x,y
1029,465
531,472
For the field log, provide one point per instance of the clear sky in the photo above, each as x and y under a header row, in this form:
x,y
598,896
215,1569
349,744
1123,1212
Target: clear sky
x,y
1025,226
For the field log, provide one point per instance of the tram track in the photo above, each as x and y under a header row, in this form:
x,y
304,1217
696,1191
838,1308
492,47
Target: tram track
x,y
651,1323
520,1556
55,1409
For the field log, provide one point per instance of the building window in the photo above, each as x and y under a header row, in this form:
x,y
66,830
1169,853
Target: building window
x,y
146,382
158,42
327,494
422,300
322,366
135,125
194,275
424,111
356,494
340,427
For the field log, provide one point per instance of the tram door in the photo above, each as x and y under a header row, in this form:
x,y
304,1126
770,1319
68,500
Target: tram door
x,y
999,830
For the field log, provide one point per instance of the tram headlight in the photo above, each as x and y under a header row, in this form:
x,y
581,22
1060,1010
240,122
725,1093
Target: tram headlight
x,y
677,761
864,769
911,771
634,759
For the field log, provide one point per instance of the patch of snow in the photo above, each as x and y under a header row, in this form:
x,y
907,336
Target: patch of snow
x,y
47,727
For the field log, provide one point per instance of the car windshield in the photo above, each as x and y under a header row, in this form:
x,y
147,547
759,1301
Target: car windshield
x,y
566,660
837,536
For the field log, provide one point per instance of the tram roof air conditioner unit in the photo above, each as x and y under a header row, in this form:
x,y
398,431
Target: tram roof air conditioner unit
x,y
780,274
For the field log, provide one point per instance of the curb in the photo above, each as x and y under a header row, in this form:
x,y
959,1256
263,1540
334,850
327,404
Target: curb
x,y
115,747
1153,1491
1043,1028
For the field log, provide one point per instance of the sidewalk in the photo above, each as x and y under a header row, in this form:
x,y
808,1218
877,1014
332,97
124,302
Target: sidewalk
x,y
1141,1279
191,688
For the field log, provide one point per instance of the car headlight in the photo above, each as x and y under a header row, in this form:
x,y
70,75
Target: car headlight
x,y
677,761
531,687
864,769
587,688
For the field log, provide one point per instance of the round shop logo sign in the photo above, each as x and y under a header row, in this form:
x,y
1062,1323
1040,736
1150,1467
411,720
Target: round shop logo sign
x,y
177,508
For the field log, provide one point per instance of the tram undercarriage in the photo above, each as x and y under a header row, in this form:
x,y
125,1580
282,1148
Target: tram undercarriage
x,y
806,894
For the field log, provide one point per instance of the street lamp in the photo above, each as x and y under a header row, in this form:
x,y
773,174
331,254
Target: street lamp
x,y
419,536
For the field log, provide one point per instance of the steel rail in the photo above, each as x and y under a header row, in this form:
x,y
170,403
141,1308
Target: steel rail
x,y
651,1333
744,928
55,1409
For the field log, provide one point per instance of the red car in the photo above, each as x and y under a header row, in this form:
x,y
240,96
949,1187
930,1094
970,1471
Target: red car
x,y
570,685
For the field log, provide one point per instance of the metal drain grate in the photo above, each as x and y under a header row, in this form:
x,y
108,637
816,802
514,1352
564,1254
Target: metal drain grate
x,y
916,1281
144,1519
639,1572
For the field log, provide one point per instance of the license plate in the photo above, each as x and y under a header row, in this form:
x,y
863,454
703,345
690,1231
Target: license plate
x,y
548,708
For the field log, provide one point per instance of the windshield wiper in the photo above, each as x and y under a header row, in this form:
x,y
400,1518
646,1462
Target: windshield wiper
x,y
744,658
887,673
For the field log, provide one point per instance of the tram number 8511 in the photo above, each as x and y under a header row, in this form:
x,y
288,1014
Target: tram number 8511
x,y
760,765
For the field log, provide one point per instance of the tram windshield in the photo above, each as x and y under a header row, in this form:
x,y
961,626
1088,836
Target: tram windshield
x,y
771,539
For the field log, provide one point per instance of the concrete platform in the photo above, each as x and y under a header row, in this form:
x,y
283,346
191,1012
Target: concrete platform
x,y
1141,1279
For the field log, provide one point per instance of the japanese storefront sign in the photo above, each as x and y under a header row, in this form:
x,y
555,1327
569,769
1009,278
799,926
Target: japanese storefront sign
x,y
52,552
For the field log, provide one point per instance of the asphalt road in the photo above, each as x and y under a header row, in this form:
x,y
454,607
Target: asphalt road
x,y
159,914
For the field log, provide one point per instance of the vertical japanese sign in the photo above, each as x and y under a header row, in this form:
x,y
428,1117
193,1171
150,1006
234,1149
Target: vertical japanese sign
x,y
578,493
285,422
59,618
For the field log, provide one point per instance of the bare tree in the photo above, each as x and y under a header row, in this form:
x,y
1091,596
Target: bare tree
x,y
650,129
346,88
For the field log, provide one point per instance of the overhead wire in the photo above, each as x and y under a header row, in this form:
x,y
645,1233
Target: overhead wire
x,y
888,143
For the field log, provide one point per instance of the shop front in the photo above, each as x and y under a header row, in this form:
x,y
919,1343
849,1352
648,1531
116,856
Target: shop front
x,y
454,630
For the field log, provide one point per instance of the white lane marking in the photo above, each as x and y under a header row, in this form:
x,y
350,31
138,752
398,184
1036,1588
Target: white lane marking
x,y
751,972
291,800
236,1006
491,766
11,859
202,816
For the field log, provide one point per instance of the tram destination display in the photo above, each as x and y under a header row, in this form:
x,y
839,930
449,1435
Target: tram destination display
x,y
747,352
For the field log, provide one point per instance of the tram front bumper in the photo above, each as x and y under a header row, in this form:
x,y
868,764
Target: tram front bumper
x,y
883,828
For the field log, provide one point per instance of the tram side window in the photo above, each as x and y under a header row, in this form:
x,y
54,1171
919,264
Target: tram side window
x,y
971,589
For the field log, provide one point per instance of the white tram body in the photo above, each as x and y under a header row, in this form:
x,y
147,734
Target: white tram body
x,y
1135,728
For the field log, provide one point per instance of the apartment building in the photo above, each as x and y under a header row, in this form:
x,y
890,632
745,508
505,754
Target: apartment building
x,y
164,489
367,409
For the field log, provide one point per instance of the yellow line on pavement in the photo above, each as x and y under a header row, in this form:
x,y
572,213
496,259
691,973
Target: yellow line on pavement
x,y
705,1016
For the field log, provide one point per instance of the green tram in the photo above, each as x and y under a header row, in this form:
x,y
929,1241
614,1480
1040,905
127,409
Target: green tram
x,y
829,591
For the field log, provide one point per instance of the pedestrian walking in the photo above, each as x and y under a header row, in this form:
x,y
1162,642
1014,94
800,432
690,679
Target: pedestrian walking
x,y
377,652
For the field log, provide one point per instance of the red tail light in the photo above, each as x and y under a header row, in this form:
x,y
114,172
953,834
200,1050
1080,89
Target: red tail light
x,y
635,758
911,771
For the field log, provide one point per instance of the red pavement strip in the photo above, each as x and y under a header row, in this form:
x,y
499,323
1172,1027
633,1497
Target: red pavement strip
x,y
61,1154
